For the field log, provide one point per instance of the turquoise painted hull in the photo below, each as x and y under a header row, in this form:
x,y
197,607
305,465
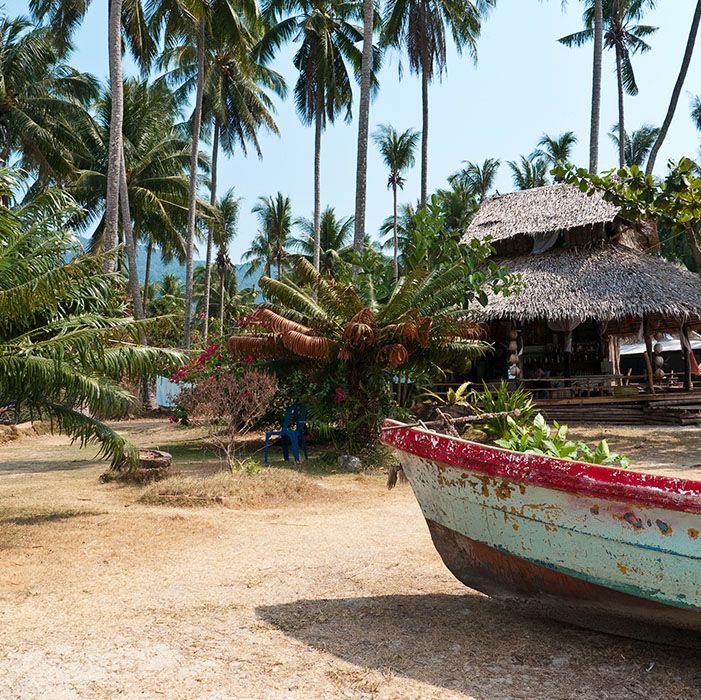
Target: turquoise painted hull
x,y
626,565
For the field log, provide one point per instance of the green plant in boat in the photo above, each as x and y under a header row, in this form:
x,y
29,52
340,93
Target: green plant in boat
x,y
502,399
541,439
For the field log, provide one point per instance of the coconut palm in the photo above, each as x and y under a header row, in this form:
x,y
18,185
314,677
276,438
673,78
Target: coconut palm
x,y
406,228
124,17
625,37
529,172
225,230
676,92
335,235
270,246
637,144
421,27
237,103
369,67
696,111
458,205
195,21
397,151
66,342
478,178
40,100
555,150
327,41
156,156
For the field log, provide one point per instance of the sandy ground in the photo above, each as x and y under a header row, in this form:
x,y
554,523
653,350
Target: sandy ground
x,y
103,597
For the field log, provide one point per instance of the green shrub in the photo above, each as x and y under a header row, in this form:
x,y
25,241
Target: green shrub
x,y
540,439
502,400
453,397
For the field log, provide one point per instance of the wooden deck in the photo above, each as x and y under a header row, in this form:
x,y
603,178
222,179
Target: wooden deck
x,y
680,408
620,400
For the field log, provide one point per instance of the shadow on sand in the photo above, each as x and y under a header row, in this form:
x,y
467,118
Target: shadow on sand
x,y
474,645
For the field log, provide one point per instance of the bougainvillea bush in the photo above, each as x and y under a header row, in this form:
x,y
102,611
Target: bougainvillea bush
x,y
230,404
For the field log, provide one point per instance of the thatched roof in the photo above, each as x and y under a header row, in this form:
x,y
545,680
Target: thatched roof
x,y
601,283
539,210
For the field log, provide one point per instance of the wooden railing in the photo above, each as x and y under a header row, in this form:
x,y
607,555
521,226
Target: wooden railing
x,y
611,385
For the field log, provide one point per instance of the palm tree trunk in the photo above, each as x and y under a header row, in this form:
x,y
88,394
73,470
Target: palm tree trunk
x,y
596,87
693,245
317,184
147,275
129,243
147,395
677,89
222,274
363,125
210,231
621,116
424,135
192,198
394,231
116,119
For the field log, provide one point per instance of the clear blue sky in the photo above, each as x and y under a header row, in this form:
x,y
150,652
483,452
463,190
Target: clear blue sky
x,y
525,84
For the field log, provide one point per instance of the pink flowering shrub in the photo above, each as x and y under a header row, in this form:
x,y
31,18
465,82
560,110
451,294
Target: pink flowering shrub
x,y
229,404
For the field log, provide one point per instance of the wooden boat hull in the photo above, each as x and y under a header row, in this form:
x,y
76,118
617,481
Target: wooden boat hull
x,y
615,551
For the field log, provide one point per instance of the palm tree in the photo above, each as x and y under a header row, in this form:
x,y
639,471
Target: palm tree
x,y
66,342
696,111
335,234
236,104
270,246
40,101
676,92
156,156
598,28
555,151
422,27
327,44
637,144
529,172
478,178
406,227
225,230
397,151
192,21
625,37
124,16
368,69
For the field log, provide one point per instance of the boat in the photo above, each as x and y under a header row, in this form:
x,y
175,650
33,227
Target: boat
x,y
614,550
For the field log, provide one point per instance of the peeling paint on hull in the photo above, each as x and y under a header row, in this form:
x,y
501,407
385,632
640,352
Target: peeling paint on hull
x,y
523,527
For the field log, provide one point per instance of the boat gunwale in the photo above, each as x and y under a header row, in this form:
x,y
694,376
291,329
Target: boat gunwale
x,y
567,475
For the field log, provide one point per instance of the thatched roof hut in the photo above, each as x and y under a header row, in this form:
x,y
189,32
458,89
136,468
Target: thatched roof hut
x,y
607,282
538,210
587,278
513,221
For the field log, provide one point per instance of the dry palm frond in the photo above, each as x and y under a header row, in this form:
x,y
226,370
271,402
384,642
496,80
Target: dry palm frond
x,y
312,346
424,327
359,333
279,324
256,345
393,355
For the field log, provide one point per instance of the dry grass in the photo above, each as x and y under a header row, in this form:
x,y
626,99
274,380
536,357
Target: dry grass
x,y
267,488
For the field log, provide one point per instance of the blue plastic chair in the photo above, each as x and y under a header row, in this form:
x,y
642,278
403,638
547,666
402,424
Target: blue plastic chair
x,y
297,414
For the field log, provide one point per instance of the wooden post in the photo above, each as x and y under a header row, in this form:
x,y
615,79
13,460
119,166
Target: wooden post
x,y
684,332
648,356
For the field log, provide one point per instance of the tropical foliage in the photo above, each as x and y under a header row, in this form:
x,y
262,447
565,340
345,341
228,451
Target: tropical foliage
x,y
66,341
541,439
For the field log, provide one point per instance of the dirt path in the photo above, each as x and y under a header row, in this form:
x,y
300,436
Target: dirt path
x,y
102,597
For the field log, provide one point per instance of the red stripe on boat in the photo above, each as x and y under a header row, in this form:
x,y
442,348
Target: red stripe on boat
x,y
551,472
